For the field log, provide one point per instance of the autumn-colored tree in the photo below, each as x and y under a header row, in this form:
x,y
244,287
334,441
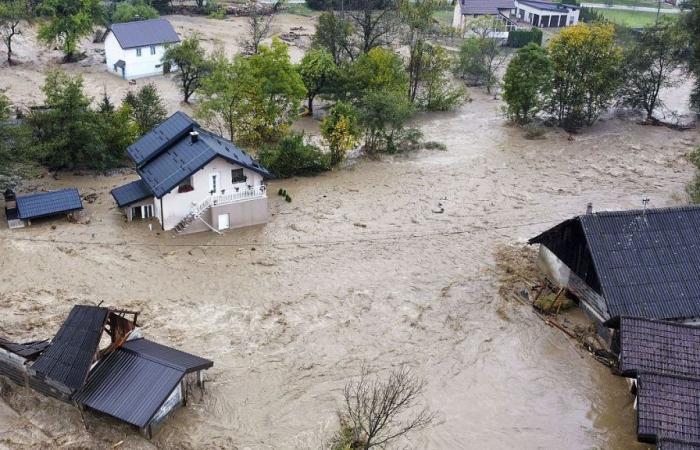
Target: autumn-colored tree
x,y
341,131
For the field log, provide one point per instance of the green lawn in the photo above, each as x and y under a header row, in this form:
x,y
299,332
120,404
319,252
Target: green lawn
x,y
633,19
300,9
443,16
646,3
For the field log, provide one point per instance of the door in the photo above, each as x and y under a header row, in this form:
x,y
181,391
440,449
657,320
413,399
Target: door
x,y
214,182
536,20
223,221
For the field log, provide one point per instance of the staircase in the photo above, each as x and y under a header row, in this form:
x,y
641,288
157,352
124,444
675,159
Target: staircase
x,y
193,215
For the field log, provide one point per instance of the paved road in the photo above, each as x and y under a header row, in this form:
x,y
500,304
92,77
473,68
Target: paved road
x,y
630,8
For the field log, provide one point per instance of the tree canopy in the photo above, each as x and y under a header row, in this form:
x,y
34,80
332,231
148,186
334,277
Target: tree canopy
x,y
192,63
68,21
527,83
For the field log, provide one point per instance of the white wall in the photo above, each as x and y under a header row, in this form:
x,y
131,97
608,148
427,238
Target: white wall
x,y
529,12
178,205
136,66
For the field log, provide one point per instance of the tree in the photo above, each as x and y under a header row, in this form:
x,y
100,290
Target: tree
x,y
316,69
5,110
253,98
481,55
259,27
333,35
691,21
127,11
117,131
649,64
586,63
527,83
69,20
145,108
378,411
383,116
437,93
380,69
12,14
374,23
291,157
341,131
418,18
192,63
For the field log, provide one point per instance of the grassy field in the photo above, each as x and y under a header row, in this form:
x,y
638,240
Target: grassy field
x,y
302,10
633,19
443,16
645,3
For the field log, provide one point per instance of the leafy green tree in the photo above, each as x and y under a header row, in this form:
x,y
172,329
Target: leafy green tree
x,y
417,16
255,98
527,83
437,93
145,108
117,131
5,111
383,115
341,131
649,64
317,69
68,21
192,63
691,21
13,14
380,69
481,55
291,157
128,11
586,62
333,34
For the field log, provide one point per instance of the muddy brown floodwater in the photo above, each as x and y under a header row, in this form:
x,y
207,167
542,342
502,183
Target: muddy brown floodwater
x,y
357,269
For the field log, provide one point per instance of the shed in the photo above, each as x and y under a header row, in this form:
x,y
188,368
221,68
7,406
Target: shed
x,y
25,208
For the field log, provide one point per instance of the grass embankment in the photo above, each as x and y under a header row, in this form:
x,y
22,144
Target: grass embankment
x,y
632,19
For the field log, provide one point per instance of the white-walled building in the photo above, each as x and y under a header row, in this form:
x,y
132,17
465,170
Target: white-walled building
x,y
193,180
537,13
546,15
136,49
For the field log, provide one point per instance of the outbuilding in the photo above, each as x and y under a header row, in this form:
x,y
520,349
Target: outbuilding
x,y
545,14
136,49
20,210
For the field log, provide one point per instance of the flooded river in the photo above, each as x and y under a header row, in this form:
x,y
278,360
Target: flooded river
x,y
360,268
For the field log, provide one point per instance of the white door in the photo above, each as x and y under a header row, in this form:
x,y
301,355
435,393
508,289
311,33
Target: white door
x,y
214,182
223,221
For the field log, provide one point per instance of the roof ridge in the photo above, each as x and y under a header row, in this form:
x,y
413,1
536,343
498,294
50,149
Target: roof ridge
x,y
630,212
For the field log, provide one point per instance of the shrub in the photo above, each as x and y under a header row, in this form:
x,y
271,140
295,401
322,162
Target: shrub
x,y
291,156
340,130
520,38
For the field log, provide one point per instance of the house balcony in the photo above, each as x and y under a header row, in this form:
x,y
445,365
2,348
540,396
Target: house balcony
x,y
243,194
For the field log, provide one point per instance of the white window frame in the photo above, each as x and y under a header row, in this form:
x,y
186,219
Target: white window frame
x,y
153,49
138,51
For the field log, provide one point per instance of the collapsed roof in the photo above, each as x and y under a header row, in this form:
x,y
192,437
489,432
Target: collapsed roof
x,y
645,263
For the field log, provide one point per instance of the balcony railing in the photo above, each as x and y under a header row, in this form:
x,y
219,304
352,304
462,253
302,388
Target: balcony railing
x,y
240,195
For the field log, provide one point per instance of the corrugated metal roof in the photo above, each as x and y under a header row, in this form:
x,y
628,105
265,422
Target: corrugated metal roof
x,y
168,356
142,33
664,348
45,204
129,387
68,359
668,408
27,349
159,138
492,7
646,261
184,157
131,193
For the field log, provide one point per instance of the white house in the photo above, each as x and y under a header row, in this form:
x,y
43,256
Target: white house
x,y
193,180
136,49
513,13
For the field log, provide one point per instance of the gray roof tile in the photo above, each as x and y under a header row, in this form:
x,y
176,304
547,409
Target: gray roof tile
x,y
492,7
142,33
131,193
46,204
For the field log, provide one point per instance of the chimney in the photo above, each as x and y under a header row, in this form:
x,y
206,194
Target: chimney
x,y
194,136
589,208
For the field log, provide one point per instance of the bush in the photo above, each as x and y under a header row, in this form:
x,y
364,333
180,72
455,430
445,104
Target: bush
x,y
136,10
520,38
291,156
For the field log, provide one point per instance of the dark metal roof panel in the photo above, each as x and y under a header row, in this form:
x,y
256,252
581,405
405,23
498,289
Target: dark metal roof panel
x,y
129,387
168,356
45,204
485,6
160,138
131,193
660,347
27,349
141,33
672,444
68,359
668,408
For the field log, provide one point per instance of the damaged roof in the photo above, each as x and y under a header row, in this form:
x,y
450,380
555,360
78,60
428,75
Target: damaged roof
x,y
26,350
67,361
659,347
645,263
133,382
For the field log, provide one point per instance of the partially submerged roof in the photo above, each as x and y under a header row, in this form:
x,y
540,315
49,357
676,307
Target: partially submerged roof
x,y
131,193
142,33
668,408
490,7
34,206
27,350
67,361
645,263
161,137
133,382
659,347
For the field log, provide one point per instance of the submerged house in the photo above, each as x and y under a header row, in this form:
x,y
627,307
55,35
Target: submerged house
x,y
193,180
131,378
662,361
136,49
20,210
641,263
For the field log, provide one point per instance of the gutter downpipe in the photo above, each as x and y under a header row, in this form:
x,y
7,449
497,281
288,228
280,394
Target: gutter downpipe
x,y
162,220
